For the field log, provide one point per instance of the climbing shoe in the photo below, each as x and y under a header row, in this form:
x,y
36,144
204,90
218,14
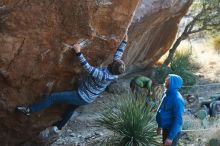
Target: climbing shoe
x,y
24,109
49,133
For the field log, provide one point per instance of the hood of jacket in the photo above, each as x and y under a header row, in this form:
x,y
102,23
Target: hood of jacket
x,y
175,82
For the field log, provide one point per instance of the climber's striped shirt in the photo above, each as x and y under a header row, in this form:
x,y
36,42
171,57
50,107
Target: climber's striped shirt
x,y
99,78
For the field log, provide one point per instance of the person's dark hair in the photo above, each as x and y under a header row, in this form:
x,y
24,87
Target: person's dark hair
x,y
117,67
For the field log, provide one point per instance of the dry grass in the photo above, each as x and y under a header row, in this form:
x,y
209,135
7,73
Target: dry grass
x,y
216,43
202,131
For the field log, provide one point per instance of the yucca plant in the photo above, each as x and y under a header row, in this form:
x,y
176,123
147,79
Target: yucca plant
x,y
132,123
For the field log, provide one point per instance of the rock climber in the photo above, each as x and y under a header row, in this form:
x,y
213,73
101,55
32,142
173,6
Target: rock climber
x,y
91,87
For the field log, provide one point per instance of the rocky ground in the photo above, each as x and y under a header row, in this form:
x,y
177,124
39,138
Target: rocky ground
x,y
83,130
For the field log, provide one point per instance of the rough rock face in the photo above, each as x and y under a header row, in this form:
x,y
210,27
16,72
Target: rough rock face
x,y
154,30
34,61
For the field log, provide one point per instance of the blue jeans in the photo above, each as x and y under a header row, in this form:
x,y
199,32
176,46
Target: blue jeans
x,y
66,97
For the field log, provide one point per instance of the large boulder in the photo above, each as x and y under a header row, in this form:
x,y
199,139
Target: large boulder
x,y
34,61
154,30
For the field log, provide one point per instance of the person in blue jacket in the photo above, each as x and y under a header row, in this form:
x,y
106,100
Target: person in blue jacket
x,y
170,112
90,88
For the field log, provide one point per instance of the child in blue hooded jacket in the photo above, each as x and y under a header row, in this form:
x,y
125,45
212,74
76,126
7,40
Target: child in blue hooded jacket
x,y
170,112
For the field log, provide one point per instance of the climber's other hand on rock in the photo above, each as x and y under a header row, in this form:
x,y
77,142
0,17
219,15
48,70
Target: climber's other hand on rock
x,y
77,48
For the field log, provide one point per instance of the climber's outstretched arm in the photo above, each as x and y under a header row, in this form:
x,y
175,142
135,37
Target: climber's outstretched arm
x,y
120,50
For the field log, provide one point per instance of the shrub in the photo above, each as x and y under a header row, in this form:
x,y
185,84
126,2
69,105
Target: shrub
x,y
132,123
161,73
181,61
182,65
188,77
216,42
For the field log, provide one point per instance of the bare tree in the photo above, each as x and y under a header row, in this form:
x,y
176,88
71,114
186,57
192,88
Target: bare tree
x,y
205,17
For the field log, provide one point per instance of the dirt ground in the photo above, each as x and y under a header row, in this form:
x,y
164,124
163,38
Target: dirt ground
x,y
82,130
208,58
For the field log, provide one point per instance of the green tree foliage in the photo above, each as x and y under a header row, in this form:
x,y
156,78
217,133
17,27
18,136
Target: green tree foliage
x,y
205,16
